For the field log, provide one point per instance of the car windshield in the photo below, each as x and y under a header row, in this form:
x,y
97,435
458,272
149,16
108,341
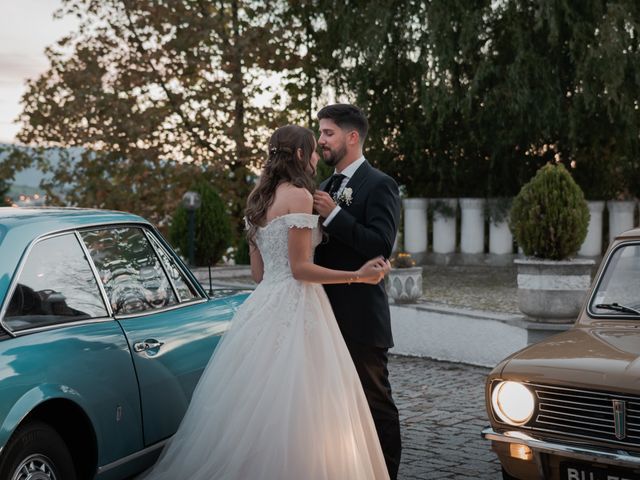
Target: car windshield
x,y
618,292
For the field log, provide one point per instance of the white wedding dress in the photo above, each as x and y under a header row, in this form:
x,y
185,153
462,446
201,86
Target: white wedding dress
x,y
280,398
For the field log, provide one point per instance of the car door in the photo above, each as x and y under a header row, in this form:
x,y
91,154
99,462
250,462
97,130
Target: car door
x,y
170,325
68,347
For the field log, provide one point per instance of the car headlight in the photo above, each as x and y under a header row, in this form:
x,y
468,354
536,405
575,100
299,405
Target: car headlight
x,y
512,402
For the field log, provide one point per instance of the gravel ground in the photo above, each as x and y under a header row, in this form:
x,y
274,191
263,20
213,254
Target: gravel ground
x,y
477,287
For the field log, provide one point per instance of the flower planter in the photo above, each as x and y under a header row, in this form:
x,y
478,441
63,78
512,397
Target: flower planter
x,y
415,227
444,225
592,245
472,225
620,216
552,291
405,284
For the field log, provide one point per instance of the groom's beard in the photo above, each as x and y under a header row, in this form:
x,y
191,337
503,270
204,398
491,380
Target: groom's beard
x,y
333,157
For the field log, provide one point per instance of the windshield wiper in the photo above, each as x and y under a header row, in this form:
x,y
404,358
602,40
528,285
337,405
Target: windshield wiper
x,y
618,308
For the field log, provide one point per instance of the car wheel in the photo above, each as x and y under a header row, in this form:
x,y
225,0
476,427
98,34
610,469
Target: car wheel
x,y
506,476
36,451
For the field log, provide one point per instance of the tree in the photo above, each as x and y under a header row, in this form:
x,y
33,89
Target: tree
x,y
146,87
560,80
5,179
369,54
12,160
605,115
471,98
4,189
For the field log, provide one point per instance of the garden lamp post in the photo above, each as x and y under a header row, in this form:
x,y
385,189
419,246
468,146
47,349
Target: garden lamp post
x,y
191,202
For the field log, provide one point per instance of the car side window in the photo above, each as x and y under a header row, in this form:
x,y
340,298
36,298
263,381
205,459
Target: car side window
x,y
184,288
619,285
129,269
56,285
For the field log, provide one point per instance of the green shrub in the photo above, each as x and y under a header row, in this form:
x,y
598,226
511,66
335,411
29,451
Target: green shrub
x,y
549,217
212,228
242,253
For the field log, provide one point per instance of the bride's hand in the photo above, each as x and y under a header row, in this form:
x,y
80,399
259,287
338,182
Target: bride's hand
x,y
374,271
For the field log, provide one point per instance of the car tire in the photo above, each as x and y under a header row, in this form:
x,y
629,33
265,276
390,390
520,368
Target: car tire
x,y
36,447
506,476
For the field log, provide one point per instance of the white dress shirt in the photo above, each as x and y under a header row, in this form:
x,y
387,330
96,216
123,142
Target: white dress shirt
x,y
348,173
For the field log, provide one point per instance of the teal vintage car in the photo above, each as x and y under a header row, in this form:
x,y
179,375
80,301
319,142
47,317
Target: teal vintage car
x,y
104,334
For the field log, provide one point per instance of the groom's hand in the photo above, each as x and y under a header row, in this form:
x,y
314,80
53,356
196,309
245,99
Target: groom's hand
x,y
323,203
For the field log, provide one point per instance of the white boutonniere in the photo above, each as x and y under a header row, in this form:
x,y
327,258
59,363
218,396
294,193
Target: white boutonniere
x,y
344,197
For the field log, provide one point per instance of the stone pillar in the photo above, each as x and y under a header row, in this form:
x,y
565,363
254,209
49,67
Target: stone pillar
x,y
592,245
500,238
472,225
620,216
415,227
444,225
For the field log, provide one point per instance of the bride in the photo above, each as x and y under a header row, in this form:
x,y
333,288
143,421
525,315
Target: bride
x,y
280,399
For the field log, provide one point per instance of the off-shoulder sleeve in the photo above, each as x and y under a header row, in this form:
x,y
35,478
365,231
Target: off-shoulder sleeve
x,y
301,220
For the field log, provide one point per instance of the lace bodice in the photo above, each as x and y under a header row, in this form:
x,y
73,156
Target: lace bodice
x,y
273,242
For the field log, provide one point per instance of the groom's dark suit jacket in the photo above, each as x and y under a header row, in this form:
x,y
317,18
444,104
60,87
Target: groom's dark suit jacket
x,y
359,232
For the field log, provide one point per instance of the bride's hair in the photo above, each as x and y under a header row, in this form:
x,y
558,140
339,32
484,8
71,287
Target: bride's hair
x,y
283,165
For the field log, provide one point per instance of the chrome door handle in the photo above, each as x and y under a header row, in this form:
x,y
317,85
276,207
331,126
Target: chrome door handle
x,y
146,345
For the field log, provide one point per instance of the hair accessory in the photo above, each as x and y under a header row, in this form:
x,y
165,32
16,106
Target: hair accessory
x,y
274,150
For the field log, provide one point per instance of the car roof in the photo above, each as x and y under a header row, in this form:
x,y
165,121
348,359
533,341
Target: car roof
x,y
48,219
19,227
634,232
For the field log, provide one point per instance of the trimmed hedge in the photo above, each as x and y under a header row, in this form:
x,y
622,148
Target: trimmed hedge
x,y
550,216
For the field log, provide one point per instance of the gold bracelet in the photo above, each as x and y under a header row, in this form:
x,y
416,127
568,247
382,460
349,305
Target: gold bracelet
x,y
353,279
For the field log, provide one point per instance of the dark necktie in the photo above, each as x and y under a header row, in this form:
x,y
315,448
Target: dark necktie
x,y
334,183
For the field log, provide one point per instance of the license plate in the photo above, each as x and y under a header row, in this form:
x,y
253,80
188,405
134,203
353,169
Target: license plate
x,y
575,471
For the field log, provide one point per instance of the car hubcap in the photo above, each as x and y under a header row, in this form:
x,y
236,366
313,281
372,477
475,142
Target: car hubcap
x,y
35,467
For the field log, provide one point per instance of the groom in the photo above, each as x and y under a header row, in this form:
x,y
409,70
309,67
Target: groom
x,y
360,207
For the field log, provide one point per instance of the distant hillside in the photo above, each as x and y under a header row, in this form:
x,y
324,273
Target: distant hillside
x,y
16,190
27,182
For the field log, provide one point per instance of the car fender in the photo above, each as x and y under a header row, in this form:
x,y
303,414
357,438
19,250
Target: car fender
x,y
35,397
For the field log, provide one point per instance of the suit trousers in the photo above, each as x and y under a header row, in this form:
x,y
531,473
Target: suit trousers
x,y
371,365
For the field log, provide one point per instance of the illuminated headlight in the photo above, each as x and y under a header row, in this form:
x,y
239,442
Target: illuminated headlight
x,y
512,402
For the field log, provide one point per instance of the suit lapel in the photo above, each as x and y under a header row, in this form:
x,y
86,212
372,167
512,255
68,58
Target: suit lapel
x,y
325,183
359,178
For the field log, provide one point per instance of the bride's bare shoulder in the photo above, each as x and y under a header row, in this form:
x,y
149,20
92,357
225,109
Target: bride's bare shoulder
x,y
297,199
289,191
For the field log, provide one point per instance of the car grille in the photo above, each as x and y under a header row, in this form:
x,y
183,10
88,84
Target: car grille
x,y
585,414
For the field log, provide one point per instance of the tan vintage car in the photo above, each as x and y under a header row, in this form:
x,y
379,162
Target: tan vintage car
x,y
569,407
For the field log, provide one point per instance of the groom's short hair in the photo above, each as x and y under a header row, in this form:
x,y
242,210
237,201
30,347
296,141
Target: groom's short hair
x,y
346,116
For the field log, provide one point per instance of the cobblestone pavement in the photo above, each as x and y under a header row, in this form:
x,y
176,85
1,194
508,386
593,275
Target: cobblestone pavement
x,y
442,412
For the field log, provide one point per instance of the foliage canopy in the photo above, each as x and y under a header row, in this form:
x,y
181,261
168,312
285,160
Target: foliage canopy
x,y
464,97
